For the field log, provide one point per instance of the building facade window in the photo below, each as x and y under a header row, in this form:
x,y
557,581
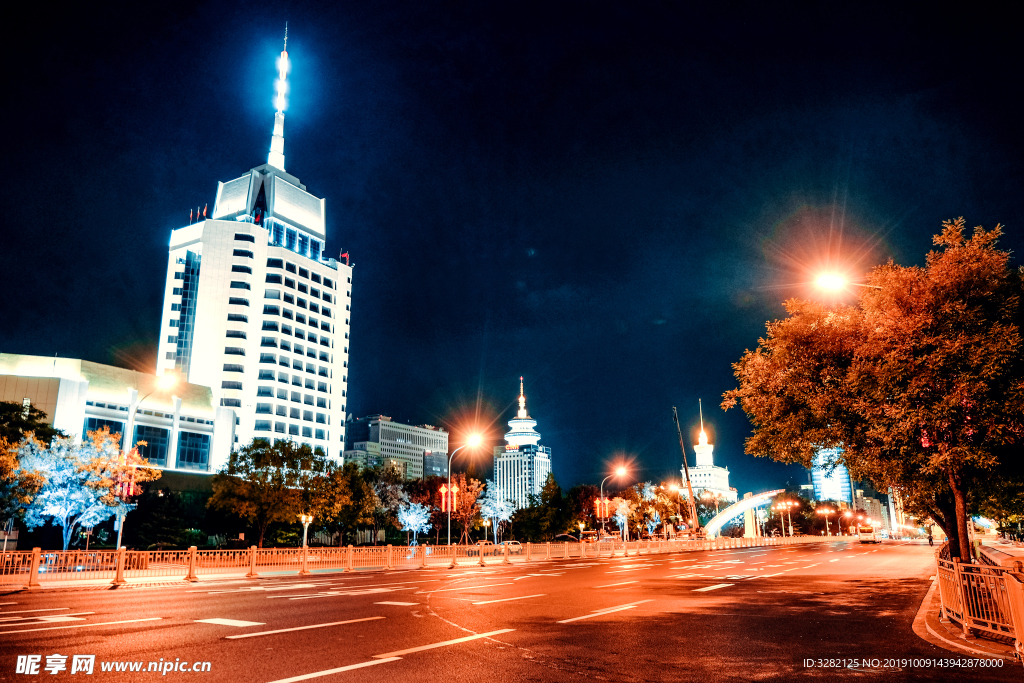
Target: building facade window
x,y
242,252
93,424
193,451
155,450
228,367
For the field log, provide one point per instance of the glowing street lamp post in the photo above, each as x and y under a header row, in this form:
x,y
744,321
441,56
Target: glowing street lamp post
x,y
473,441
163,384
836,282
826,512
787,505
620,472
306,520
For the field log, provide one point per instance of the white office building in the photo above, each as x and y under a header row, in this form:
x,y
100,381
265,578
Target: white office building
x,y
411,449
521,466
254,309
183,427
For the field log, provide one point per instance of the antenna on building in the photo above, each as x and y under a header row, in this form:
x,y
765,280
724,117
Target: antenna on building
x,y
700,407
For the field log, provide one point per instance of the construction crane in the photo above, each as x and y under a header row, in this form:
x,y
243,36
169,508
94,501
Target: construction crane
x,y
686,472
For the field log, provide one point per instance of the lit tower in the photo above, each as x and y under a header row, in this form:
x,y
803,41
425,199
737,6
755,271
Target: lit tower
x,y
522,465
256,310
276,157
705,476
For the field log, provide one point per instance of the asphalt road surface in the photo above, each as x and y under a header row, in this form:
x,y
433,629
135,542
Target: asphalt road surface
x,y
748,614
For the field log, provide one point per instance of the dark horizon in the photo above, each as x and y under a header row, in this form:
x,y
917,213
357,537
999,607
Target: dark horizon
x,y
609,200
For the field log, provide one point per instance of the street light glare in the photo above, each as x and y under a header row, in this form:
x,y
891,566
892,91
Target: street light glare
x,y
167,381
831,281
474,440
621,471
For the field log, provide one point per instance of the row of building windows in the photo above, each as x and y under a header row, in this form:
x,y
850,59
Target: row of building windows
x,y
271,326
302,272
295,364
297,381
296,396
290,283
298,317
193,448
291,429
294,413
275,294
271,342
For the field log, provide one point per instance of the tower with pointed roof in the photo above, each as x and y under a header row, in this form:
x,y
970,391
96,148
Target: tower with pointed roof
x,y
705,476
522,465
256,310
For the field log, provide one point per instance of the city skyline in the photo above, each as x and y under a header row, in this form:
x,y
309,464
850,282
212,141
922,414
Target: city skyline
x,y
565,211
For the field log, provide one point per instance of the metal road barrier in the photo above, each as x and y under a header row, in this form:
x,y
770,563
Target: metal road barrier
x,y
986,601
34,568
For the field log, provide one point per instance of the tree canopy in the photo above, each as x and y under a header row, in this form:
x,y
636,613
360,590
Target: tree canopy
x,y
920,384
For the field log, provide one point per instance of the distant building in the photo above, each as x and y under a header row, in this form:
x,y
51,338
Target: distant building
x,y
705,476
183,427
521,466
379,440
831,484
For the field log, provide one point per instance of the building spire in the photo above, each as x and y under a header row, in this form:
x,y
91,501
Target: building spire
x,y
703,436
276,157
522,399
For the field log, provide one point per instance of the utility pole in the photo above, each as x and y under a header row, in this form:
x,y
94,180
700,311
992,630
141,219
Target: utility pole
x,y
686,472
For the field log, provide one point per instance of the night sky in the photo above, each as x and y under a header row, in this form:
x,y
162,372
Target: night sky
x,y
609,199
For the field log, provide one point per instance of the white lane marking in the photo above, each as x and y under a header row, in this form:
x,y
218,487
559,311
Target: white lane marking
x,y
398,604
610,585
350,667
335,594
7,603
834,560
103,623
300,628
620,571
465,588
712,588
22,611
43,617
765,576
399,653
811,565
607,610
230,622
690,576
521,597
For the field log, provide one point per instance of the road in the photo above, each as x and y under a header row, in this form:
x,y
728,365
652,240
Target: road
x,y
726,615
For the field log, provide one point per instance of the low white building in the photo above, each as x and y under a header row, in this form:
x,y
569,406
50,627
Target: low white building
x,y
183,427
412,449
705,476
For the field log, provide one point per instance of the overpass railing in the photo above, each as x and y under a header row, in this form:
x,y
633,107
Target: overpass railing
x,y
35,568
985,601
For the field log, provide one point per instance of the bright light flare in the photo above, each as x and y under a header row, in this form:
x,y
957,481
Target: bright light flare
x,y
831,281
167,381
474,440
621,471
281,84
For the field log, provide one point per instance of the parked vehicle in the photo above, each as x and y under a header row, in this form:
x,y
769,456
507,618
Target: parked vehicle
x,y
514,547
566,538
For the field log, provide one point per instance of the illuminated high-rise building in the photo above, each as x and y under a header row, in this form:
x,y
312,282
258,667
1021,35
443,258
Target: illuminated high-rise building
x,y
521,466
255,310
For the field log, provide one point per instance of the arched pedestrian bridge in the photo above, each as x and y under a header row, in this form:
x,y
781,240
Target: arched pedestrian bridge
x,y
738,508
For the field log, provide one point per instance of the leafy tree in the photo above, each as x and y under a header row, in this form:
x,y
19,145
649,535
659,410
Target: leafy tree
x,y
81,480
327,497
920,384
623,511
18,485
362,501
161,521
495,508
579,505
388,496
262,482
427,491
467,510
16,422
414,517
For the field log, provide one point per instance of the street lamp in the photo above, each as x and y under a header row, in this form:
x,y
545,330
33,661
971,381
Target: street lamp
x,y
306,521
620,472
787,505
581,525
473,441
836,282
163,384
826,512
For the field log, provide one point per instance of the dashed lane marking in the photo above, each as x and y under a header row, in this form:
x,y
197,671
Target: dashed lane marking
x,y
712,588
22,611
301,628
397,604
611,585
340,669
230,622
398,653
521,597
102,623
602,612
465,588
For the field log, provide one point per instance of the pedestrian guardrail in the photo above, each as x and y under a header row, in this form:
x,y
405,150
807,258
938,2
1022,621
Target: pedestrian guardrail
x,y
34,568
986,601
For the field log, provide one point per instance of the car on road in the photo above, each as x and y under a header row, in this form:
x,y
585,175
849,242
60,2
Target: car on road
x,y
514,547
566,538
484,548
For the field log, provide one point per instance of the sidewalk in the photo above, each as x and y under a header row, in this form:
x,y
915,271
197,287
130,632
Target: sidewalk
x,y
949,635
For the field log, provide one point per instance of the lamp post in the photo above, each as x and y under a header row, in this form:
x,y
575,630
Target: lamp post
x,y
787,505
164,383
581,525
620,472
473,441
826,512
306,521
